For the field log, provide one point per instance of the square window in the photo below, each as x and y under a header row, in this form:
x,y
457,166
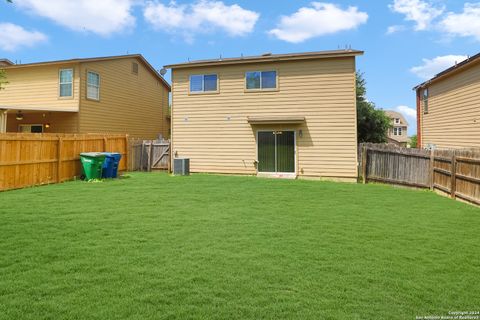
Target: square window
x,y
210,82
269,80
253,80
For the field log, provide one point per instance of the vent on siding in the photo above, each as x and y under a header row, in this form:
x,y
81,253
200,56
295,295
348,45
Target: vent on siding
x,y
134,68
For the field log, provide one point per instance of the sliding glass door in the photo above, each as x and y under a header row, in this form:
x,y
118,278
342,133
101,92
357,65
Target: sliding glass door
x,y
276,151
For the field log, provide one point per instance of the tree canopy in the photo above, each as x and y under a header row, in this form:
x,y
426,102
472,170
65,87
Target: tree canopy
x,y
372,123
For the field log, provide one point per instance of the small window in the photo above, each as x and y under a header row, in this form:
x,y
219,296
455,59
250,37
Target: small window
x,y
425,100
261,80
93,85
134,68
397,120
203,83
66,82
31,128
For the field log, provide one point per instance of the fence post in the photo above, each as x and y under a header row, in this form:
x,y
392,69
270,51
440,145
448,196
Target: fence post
x,y
127,151
453,187
59,159
150,156
364,164
105,143
432,169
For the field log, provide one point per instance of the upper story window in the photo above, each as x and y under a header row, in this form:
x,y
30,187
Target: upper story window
x,y
397,131
203,83
425,100
397,121
261,80
93,85
66,83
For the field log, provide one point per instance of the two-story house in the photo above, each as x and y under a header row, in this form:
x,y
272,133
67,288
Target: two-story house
x,y
117,94
448,107
398,133
279,115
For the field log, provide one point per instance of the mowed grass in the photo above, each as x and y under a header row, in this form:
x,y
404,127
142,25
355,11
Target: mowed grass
x,y
216,247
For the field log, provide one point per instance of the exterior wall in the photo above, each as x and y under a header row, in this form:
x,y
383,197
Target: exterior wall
x,y
129,103
38,88
453,118
212,129
60,122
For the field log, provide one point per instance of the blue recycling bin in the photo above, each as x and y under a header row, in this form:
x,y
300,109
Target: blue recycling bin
x,y
110,166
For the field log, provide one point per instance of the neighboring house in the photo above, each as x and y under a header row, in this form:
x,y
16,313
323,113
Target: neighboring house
x,y
118,94
282,115
448,107
398,131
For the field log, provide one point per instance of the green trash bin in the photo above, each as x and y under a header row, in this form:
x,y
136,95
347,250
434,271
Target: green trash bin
x,y
92,163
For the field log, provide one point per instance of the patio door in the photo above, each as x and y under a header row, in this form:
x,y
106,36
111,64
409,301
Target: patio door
x,y
276,151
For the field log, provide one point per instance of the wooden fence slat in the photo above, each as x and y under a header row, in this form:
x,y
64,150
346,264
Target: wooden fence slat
x,y
453,172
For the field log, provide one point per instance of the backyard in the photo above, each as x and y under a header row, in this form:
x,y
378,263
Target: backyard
x,y
153,246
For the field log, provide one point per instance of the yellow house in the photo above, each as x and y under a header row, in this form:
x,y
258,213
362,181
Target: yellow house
x,y
117,94
448,109
280,115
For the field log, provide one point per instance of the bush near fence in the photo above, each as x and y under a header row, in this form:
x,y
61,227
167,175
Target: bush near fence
x,y
28,159
453,171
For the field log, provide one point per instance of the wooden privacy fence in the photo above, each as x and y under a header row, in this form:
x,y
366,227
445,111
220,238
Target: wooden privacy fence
x,y
148,155
455,172
33,159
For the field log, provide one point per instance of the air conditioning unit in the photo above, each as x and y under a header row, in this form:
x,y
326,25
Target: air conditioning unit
x,y
181,166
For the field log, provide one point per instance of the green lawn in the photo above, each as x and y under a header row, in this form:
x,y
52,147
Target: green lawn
x,y
154,246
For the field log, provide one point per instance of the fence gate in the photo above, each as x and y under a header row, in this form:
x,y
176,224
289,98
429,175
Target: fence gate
x,y
148,155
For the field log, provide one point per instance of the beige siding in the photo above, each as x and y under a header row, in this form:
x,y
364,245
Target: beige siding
x,y
453,119
129,103
60,122
213,131
38,88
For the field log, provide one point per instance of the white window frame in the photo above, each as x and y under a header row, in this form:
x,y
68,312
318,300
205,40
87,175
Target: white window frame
x,y
60,83
397,120
98,87
261,89
31,125
203,84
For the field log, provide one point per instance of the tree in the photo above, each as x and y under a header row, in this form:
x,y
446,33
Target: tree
x,y
372,123
3,79
413,141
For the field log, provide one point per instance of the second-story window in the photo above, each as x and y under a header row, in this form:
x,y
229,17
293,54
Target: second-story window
x,y
66,83
261,80
93,85
425,100
397,121
203,83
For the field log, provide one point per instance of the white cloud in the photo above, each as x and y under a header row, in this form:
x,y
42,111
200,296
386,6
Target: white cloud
x,y
200,17
102,17
431,67
465,24
419,11
395,29
408,112
318,20
14,36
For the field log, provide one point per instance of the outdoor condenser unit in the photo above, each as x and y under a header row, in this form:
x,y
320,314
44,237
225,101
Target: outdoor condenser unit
x,y
181,167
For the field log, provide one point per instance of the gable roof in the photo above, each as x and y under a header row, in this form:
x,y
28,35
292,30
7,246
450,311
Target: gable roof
x,y
457,67
95,59
394,114
268,57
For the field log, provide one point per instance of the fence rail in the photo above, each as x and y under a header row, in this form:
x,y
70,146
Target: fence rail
x,y
455,172
34,159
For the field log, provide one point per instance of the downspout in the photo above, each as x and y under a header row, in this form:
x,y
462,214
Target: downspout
x,y
419,122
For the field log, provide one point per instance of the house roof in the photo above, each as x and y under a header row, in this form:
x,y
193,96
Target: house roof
x,y
394,114
5,62
268,57
80,60
457,67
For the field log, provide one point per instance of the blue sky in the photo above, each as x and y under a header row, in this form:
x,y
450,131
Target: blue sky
x,y
405,41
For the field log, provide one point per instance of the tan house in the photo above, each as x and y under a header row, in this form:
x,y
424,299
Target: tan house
x,y
448,107
118,94
398,133
283,115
